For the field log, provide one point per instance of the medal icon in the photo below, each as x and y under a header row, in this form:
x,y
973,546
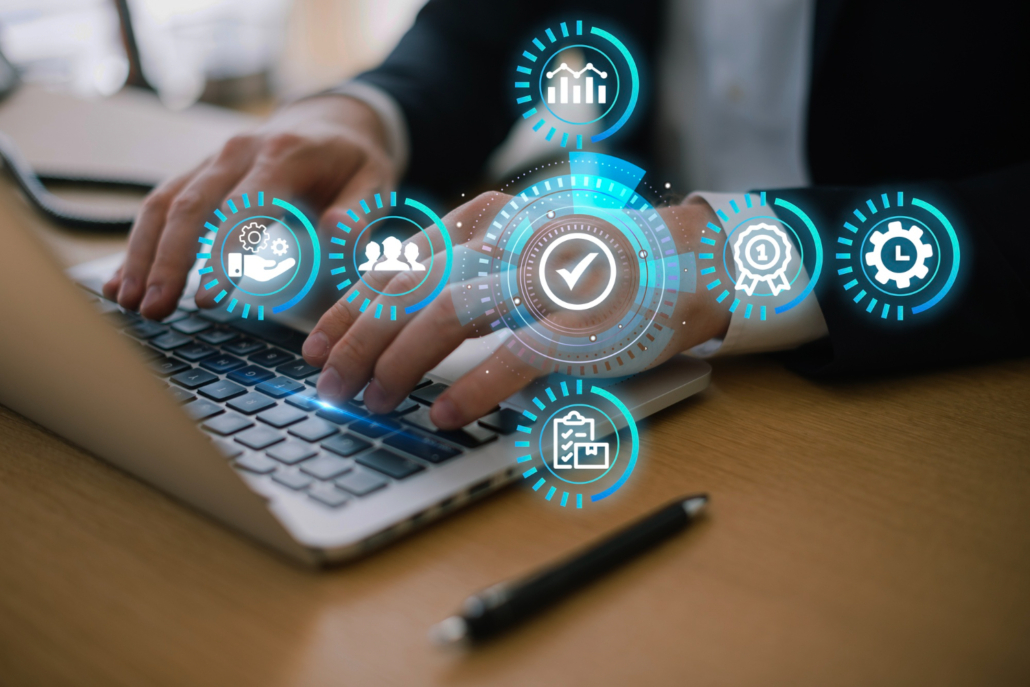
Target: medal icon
x,y
762,252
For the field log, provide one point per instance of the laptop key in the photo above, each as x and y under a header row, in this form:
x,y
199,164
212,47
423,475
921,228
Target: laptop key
x,y
326,467
195,352
389,463
175,316
470,436
361,482
193,378
292,478
425,381
313,430
250,403
259,438
271,357
279,387
374,427
345,445
297,369
191,325
505,421
428,394
220,364
218,335
328,495
281,416
424,447
250,375
170,340
405,407
305,400
255,462
244,345
292,452
227,424
202,409
313,381
341,416
168,366
180,395
222,390
145,329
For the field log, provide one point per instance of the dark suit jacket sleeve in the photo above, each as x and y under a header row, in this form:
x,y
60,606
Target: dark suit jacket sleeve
x,y
984,315
448,76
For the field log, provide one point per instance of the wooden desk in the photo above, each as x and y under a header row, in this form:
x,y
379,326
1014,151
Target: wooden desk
x,y
862,534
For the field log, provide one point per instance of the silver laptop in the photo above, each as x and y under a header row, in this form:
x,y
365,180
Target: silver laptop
x,y
171,404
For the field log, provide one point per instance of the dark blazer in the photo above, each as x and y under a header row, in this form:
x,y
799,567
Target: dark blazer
x,y
915,95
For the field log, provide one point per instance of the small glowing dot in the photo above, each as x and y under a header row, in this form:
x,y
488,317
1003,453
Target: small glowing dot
x,y
488,371
620,326
668,185
593,337
459,225
643,254
550,215
517,300
684,321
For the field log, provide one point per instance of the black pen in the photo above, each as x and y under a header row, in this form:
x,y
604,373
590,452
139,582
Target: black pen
x,y
494,610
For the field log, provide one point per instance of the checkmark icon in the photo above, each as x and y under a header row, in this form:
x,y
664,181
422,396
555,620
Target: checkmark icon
x,y
572,277
566,435
566,447
566,458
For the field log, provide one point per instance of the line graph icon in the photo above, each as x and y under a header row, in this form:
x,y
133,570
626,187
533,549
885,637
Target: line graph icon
x,y
580,92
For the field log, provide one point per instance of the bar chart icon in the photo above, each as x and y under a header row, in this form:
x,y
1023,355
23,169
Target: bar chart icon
x,y
581,92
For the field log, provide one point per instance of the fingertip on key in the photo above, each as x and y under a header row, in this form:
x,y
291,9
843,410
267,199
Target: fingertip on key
x,y
316,348
330,384
445,414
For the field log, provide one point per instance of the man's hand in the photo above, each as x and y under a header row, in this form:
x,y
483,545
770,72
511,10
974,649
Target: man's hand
x,y
356,349
329,151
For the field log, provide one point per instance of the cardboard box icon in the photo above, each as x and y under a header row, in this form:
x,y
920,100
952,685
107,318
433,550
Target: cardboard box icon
x,y
591,456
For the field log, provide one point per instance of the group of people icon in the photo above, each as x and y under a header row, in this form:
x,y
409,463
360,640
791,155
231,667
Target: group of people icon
x,y
391,253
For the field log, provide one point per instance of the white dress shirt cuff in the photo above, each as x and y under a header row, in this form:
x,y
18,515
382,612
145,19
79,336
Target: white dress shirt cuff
x,y
390,114
799,325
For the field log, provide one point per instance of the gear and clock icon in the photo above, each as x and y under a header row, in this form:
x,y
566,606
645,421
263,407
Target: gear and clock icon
x,y
897,256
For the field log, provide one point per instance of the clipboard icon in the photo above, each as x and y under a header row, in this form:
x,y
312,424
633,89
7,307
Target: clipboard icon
x,y
574,445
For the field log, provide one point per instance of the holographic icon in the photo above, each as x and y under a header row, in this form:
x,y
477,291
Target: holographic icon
x,y
909,252
254,237
762,252
391,251
280,247
572,278
891,272
574,445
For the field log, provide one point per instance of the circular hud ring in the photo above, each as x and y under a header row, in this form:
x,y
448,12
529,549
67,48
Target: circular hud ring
x,y
345,260
776,220
266,255
606,311
899,257
572,447
581,78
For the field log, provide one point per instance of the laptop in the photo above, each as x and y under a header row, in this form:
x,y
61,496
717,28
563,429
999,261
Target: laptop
x,y
219,413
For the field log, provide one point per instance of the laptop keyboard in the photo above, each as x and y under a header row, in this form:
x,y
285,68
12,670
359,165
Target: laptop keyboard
x,y
250,392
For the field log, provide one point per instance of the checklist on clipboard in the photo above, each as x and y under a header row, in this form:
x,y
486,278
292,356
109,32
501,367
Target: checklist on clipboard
x,y
574,445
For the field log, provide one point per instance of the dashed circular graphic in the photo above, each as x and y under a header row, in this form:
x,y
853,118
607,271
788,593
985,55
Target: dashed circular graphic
x,y
578,82
580,269
569,445
764,242
376,245
261,257
897,257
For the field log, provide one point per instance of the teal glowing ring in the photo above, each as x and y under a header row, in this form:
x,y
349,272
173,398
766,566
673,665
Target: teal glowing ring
x,y
522,442
210,231
883,309
762,202
356,291
532,56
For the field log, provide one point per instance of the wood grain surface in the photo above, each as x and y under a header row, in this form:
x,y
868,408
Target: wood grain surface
x,y
859,534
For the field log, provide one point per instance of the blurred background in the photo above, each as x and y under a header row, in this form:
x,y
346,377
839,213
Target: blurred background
x,y
246,54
